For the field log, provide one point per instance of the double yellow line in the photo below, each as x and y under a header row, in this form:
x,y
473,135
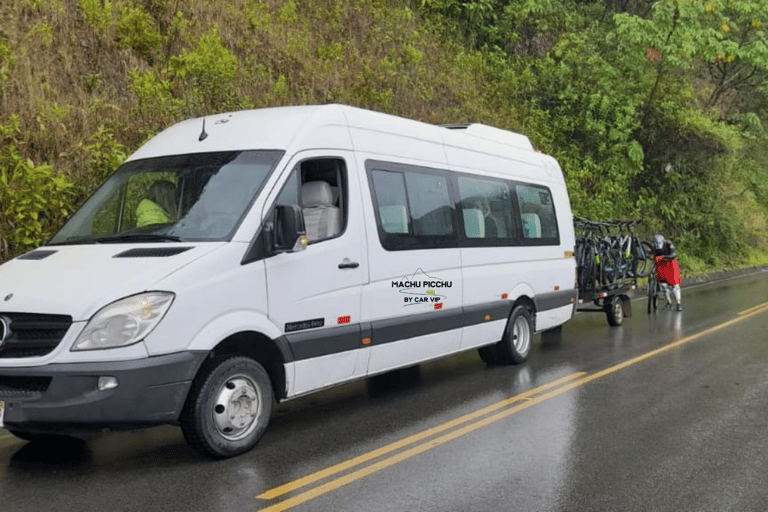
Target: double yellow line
x,y
526,398
458,427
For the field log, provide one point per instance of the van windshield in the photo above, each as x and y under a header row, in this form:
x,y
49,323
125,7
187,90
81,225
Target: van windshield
x,y
195,197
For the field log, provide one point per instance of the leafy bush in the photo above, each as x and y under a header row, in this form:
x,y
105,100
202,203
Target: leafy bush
x,y
136,30
97,13
156,105
33,198
207,74
102,156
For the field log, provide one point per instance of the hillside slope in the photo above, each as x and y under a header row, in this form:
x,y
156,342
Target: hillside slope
x,y
84,82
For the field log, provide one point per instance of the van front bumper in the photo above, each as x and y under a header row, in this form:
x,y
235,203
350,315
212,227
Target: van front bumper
x,y
66,398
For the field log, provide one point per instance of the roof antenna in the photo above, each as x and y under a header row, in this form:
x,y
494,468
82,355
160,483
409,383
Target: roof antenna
x,y
203,135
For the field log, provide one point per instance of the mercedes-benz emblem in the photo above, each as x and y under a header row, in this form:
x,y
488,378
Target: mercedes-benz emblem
x,y
5,330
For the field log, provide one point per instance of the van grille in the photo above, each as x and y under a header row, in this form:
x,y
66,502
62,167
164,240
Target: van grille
x,y
31,334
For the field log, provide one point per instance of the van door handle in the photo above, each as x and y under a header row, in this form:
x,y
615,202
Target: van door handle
x,y
348,264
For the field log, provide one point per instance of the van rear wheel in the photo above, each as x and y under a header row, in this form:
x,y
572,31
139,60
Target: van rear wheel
x,y
228,407
516,344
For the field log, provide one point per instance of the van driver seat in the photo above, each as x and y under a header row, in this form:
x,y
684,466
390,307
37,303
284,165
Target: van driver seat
x,y
321,218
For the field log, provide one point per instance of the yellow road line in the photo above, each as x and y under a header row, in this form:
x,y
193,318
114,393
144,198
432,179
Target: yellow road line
x,y
407,454
342,466
753,308
394,459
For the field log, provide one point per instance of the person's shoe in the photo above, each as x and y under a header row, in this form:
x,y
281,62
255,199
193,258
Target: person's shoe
x,y
679,307
668,307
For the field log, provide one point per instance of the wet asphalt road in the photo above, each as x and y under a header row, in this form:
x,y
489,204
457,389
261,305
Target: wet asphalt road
x,y
667,412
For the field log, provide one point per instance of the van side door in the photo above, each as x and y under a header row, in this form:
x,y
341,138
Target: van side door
x,y
314,294
414,299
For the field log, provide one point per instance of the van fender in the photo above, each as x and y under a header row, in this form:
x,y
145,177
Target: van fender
x,y
234,322
523,294
522,290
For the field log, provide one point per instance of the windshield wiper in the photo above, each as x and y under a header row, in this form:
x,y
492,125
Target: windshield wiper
x,y
137,237
128,237
76,240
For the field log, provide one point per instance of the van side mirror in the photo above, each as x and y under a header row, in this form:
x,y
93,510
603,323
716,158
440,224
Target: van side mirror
x,y
289,233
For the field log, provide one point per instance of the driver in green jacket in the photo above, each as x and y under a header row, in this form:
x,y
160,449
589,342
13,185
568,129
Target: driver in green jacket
x,y
158,206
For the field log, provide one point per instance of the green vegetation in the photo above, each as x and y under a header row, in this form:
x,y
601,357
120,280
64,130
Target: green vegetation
x,y
654,108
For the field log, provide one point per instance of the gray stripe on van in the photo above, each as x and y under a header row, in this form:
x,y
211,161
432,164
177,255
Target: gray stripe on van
x,y
323,342
554,300
333,340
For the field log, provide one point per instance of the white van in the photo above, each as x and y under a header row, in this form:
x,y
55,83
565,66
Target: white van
x,y
256,256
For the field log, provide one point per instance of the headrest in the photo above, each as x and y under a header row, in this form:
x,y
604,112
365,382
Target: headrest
x,y
316,193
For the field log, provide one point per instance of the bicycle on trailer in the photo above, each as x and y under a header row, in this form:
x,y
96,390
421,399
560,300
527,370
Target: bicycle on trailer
x,y
609,258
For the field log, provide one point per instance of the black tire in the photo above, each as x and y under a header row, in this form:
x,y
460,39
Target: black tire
x,y
615,311
489,354
643,254
653,293
228,407
518,337
593,270
613,267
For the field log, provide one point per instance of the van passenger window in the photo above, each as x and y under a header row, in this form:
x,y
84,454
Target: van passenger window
x,y
430,204
393,202
318,186
290,193
487,208
413,203
537,214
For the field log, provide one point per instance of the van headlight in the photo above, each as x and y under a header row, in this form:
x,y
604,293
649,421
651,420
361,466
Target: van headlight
x,y
124,322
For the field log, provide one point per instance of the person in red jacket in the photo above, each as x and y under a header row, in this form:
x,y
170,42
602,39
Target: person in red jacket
x,y
667,270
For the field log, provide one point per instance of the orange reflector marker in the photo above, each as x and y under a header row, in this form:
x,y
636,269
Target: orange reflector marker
x,y
557,288
487,318
366,341
504,295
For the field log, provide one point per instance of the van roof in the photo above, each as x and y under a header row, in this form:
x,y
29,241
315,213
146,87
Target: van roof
x,y
312,126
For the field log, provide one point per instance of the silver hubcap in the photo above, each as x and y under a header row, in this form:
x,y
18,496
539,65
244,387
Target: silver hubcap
x,y
617,310
521,335
236,408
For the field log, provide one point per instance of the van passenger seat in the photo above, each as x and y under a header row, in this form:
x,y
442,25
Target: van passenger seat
x,y
321,218
474,223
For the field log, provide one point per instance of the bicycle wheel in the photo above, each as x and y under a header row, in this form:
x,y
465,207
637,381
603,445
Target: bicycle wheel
x,y
643,252
612,272
582,264
653,294
591,268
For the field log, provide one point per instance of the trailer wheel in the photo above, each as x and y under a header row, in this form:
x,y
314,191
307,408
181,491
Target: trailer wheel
x,y
615,311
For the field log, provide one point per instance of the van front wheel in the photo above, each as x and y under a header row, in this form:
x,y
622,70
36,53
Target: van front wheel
x,y
516,344
228,407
